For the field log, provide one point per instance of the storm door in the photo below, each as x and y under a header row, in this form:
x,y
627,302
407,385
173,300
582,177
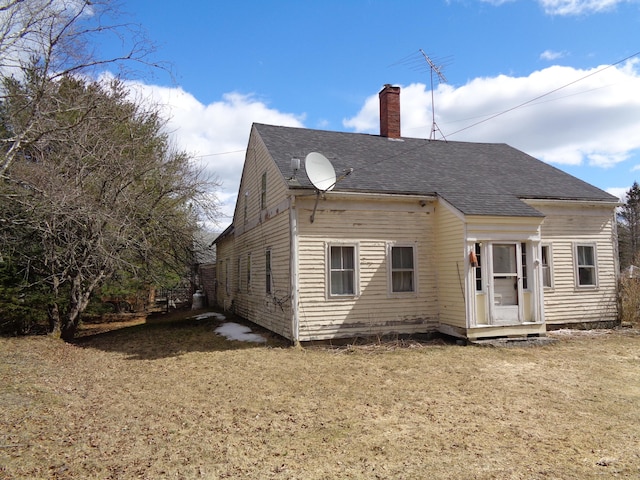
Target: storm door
x,y
507,288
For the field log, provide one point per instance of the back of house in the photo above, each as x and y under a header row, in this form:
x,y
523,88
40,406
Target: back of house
x,y
407,235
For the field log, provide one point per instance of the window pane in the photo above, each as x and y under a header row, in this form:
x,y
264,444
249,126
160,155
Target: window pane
x,y
546,276
336,258
585,255
342,283
504,259
402,281
402,257
347,257
336,283
587,275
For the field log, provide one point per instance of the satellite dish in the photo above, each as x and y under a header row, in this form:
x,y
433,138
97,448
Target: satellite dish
x,y
320,171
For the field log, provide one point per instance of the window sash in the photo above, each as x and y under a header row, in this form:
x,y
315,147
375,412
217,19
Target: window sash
x,y
267,262
342,270
586,265
402,269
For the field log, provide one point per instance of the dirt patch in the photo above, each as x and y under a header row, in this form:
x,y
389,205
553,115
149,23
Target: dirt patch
x,y
171,399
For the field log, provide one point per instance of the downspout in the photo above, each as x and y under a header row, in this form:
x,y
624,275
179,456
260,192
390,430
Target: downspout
x,y
293,261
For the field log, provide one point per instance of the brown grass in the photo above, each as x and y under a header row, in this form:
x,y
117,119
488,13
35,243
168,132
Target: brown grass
x,y
174,400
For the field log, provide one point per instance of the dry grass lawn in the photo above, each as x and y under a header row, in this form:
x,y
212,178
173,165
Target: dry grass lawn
x,y
175,400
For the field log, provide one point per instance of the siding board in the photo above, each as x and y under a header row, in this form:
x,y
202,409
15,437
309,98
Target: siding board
x,y
567,303
450,268
374,310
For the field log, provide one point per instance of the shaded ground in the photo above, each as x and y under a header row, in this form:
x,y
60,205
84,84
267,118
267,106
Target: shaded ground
x,y
171,399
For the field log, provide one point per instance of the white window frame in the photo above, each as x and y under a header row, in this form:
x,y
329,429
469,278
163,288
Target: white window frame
x,y
390,270
577,267
549,248
356,270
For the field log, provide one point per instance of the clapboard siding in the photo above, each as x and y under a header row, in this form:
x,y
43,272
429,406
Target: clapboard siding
x,y
251,300
374,310
566,302
450,267
224,259
257,162
260,229
372,222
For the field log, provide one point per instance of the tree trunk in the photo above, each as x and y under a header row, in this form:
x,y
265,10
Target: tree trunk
x,y
68,331
55,325
79,297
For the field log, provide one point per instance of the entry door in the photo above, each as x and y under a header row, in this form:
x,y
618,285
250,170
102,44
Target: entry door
x,y
507,293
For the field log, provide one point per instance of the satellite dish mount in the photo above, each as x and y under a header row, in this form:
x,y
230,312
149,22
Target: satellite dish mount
x,y
321,175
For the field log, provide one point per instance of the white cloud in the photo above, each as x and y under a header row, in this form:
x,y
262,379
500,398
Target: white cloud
x,y
620,192
551,55
593,121
217,133
578,7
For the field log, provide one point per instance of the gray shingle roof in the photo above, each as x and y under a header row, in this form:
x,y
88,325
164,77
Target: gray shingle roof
x,y
477,178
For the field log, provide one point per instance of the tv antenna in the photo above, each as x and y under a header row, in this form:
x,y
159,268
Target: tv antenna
x,y
438,70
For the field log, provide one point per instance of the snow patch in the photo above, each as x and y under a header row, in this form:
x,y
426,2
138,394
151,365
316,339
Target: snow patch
x,y
203,316
242,333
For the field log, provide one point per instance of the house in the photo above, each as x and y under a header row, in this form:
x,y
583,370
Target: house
x,y
475,240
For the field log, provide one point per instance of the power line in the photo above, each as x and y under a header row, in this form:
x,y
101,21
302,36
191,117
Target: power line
x,y
545,94
219,153
408,150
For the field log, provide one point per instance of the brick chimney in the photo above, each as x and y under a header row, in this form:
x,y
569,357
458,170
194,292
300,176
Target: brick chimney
x,y
390,111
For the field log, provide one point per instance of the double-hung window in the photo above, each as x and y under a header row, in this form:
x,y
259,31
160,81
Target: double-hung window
x,y
402,269
342,270
586,267
248,272
238,277
263,192
267,269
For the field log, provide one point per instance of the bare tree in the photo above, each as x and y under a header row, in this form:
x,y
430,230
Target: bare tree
x,y
101,192
58,38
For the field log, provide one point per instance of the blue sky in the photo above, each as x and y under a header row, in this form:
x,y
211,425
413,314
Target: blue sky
x,y
321,64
